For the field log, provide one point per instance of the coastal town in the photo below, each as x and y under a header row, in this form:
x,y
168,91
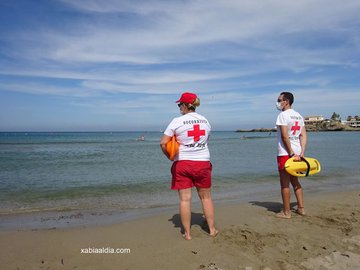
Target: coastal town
x,y
320,123
335,123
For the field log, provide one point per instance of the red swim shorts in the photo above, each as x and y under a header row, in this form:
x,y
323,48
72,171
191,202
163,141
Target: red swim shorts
x,y
281,160
189,173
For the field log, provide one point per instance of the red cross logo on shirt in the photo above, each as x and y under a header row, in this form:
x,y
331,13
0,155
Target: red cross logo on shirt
x,y
196,133
295,128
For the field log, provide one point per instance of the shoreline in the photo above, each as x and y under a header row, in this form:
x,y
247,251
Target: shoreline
x,y
243,193
250,238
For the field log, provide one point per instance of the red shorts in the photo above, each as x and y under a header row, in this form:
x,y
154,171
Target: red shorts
x,y
281,160
189,173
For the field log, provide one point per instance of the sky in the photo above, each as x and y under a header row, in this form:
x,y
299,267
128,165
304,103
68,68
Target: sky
x,y
120,65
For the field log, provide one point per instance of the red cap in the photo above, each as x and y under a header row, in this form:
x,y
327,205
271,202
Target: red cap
x,y
187,98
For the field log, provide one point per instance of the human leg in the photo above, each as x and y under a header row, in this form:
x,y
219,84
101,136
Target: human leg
x,y
285,194
185,211
298,194
208,208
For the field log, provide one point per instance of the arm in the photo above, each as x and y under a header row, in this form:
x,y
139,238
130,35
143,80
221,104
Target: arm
x,y
164,140
303,141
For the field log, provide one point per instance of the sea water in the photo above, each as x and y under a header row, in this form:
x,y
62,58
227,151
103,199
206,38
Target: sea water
x,y
69,171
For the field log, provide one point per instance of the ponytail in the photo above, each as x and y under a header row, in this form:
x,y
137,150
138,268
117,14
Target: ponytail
x,y
192,106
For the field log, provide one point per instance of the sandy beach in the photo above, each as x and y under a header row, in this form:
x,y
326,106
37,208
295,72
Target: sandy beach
x,y
250,238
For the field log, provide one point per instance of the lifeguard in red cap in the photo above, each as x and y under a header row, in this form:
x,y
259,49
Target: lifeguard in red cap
x,y
191,166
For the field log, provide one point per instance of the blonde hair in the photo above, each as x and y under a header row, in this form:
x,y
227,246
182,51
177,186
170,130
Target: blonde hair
x,y
192,106
196,102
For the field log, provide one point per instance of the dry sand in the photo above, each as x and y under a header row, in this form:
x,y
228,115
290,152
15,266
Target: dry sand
x,y
250,238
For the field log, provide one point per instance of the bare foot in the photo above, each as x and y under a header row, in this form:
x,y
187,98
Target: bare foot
x,y
214,233
187,236
300,211
282,214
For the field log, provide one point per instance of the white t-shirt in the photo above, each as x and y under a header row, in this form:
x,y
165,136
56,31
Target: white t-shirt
x,y
295,122
192,131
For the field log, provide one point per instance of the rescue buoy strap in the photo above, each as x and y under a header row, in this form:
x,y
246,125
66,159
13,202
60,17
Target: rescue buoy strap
x,y
308,166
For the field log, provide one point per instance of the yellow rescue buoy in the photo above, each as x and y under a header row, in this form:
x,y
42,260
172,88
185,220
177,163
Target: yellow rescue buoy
x,y
307,166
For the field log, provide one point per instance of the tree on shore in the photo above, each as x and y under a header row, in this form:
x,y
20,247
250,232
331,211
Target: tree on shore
x,y
335,117
356,117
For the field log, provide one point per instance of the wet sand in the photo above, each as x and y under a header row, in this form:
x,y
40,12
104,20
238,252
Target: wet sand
x,y
250,238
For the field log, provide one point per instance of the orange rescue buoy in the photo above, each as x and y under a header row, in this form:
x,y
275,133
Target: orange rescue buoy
x,y
172,147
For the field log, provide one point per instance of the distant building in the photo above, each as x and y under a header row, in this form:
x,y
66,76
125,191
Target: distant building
x,y
313,119
352,123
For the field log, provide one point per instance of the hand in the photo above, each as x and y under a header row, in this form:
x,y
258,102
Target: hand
x,y
297,158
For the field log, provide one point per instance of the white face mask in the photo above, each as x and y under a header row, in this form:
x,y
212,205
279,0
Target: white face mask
x,y
279,106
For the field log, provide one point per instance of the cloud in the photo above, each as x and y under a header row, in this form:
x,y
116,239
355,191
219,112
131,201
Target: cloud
x,y
178,31
126,55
